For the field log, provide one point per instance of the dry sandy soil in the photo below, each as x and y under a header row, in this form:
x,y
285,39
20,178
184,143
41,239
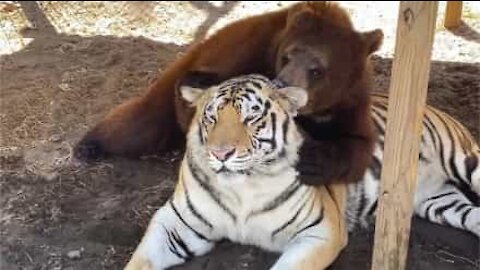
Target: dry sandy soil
x,y
63,65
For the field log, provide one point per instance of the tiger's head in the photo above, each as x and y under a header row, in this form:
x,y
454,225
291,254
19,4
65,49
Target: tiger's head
x,y
244,126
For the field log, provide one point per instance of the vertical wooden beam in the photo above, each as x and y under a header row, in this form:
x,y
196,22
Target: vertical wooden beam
x,y
453,14
408,91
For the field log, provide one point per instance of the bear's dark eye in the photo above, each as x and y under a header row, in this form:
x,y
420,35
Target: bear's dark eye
x,y
316,72
285,59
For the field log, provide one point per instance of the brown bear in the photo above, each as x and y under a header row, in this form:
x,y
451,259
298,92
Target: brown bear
x,y
312,45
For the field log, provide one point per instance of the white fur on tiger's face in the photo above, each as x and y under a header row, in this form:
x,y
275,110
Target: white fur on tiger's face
x,y
242,127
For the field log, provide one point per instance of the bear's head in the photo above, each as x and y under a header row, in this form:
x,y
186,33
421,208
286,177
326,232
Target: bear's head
x,y
320,51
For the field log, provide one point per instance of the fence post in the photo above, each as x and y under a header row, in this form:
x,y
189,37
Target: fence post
x,y
453,14
408,91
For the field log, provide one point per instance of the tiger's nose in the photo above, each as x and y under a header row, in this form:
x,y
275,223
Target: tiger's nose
x,y
223,153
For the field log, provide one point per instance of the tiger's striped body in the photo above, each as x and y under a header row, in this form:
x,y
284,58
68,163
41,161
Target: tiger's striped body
x,y
254,196
448,183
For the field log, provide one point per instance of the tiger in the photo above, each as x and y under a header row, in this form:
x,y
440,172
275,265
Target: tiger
x,y
238,181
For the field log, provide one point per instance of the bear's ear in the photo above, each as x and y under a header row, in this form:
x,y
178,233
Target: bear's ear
x,y
295,97
299,16
194,83
372,40
301,20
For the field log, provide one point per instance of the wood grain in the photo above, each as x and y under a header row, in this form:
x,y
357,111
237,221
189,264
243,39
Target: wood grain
x,y
408,91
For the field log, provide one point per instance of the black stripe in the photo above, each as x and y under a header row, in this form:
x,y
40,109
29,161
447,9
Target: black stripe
x,y
439,211
460,207
464,216
381,105
380,128
290,221
380,97
285,126
430,132
460,136
193,210
278,157
372,208
311,224
464,139
200,133
266,110
271,140
422,157
427,215
376,167
440,143
453,167
471,163
201,179
246,96
248,90
309,211
256,120
304,195
268,105
256,84
188,253
249,118
199,235
363,202
283,197
440,196
381,116
171,245
422,139
466,190
261,126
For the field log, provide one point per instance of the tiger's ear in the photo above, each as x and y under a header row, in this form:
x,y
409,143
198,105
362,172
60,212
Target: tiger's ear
x,y
191,94
295,97
194,83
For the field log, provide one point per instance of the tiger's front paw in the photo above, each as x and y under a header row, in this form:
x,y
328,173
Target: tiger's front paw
x,y
472,223
139,263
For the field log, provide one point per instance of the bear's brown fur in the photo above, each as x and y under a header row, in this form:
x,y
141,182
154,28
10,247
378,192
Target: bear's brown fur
x,y
158,120
324,55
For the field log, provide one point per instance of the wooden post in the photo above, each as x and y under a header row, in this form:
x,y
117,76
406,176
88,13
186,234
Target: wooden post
x,y
453,14
408,91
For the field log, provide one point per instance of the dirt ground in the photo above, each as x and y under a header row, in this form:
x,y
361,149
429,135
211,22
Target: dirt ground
x,y
58,77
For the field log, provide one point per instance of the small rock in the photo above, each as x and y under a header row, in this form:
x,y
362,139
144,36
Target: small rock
x,y
74,254
55,138
65,87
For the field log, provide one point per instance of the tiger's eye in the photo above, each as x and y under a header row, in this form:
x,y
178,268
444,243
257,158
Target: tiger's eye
x,y
255,108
